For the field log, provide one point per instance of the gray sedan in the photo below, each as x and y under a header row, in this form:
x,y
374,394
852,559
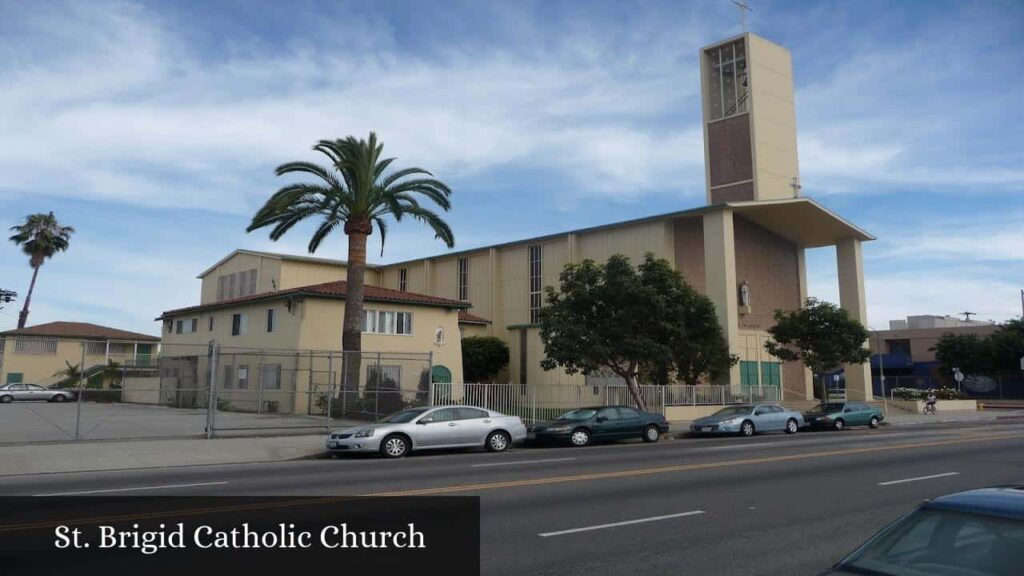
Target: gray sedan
x,y
12,392
428,428
747,419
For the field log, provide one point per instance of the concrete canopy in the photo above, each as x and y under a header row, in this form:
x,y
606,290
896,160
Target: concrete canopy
x,y
800,220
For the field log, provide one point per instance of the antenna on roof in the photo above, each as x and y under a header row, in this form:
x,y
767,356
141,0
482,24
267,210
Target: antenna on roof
x,y
967,315
6,296
743,8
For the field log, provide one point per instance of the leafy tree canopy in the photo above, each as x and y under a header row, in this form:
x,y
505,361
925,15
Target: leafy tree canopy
x,y
483,357
630,320
820,335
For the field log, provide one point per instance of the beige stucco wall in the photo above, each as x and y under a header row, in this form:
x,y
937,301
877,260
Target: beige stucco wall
x,y
922,340
40,368
268,271
773,118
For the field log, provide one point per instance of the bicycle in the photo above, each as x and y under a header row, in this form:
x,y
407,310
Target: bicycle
x,y
929,409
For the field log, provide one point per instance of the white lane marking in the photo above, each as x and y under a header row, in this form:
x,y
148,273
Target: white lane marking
x,y
738,446
133,489
521,462
617,524
943,475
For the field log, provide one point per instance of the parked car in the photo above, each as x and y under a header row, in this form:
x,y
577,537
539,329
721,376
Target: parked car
x,y
748,419
582,426
972,533
839,415
29,392
429,428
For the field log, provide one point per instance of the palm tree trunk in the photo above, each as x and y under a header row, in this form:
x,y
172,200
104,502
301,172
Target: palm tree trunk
x,y
23,316
352,326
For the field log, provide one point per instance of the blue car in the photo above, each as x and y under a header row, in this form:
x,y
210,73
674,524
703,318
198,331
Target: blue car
x,y
972,533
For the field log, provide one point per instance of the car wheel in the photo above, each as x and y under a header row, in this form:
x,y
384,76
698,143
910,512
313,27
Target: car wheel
x,y
874,422
497,441
839,425
747,428
58,398
652,433
394,446
791,426
580,437
6,399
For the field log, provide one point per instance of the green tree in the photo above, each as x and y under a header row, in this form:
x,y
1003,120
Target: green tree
x,y
1007,347
628,320
971,353
354,192
820,335
483,357
40,237
72,373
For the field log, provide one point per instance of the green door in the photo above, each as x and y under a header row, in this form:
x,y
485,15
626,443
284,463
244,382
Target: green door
x,y
441,374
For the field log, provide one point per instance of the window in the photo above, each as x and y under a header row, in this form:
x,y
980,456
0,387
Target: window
x,y
727,83
535,283
472,413
179,326
608,414
236,285
627,412
34,346
239,324
383,376
186,326
95,348
463,279
387,322
270,320
229,377
771,373
748,373
444,415
898,346
271,377
209,323
195,325
169,326
243,376
403,277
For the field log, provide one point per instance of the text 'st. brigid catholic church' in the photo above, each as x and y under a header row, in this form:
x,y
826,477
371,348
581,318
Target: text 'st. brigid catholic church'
x,y
744,249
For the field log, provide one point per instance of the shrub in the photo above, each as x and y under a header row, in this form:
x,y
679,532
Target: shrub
x,y
917,394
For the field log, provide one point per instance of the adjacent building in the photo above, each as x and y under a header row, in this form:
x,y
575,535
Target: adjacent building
x,y
43,353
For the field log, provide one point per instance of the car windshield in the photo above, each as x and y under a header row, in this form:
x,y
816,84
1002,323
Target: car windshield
x,y
734,411
828,408
404,416
943,542
580,414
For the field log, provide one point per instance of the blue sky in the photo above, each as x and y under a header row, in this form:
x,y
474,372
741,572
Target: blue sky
x,y
153,128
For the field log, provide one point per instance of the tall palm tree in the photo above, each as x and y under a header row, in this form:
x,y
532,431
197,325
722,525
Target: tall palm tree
x,y
40,237
353,192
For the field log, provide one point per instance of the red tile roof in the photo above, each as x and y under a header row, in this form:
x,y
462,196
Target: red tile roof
x,y
467,318
331,290
79,330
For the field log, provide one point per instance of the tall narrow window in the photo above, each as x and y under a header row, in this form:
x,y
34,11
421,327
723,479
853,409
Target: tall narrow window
x,y
209,323
535,283
271,319
464,279
728,83
403,276
239,324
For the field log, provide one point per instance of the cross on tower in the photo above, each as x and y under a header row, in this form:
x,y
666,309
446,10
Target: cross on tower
x,y
743,8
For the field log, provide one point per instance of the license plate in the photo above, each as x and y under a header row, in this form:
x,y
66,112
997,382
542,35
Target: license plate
x,y
706,429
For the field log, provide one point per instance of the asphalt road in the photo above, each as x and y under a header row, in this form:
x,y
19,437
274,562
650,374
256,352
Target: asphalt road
x,y
772,504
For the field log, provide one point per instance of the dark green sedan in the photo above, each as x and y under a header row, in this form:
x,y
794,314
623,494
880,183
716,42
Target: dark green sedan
x,y
839,415
582,426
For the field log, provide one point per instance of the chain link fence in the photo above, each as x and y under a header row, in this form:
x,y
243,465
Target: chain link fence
x,y
64,390
976,386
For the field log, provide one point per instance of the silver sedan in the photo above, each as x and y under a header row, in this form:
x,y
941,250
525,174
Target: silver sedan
x,y
429,428
747,419
12,392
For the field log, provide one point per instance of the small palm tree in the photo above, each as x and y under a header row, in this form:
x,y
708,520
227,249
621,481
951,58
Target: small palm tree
x,y
72,373
354,193
40,237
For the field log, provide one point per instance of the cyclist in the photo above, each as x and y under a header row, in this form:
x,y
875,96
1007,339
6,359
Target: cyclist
x,y
929,402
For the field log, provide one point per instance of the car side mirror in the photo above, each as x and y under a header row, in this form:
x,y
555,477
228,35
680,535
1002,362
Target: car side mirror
x,y
758,413
601,418
425,421
848,410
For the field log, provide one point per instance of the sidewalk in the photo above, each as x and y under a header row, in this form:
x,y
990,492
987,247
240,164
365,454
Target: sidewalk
x,y
125,455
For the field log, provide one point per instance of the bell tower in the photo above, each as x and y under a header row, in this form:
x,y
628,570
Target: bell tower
x,y
749,121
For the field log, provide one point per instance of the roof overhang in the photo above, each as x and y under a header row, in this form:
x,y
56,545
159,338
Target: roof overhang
x,y
800,220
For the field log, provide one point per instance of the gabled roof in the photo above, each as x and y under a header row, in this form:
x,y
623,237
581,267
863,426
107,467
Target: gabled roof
x,y
331,290
277,256
467,318
82,330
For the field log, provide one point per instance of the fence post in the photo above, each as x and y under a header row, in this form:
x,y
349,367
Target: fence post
x,y
376,395
662,400
344,382
430,379
259,387
81,394
487,392
330,386
211,402
309,384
